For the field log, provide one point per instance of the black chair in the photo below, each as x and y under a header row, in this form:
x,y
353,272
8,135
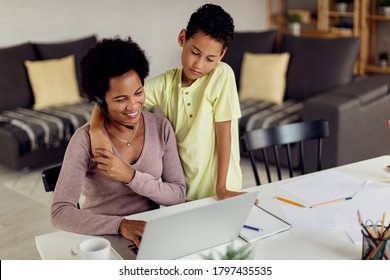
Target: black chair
x,y
284,136
50,177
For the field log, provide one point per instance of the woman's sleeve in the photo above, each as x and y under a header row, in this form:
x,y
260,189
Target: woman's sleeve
x,y
64,212
171,189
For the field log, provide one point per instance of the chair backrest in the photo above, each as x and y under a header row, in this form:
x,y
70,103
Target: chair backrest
x,y
284,136
50,177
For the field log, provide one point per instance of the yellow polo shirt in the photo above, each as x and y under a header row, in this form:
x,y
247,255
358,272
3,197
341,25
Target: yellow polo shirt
x,y
193,111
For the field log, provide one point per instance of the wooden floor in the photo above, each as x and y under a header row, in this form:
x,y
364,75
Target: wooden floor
x,y
24,211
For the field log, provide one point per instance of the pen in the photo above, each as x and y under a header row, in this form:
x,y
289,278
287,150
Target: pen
x,y
331,202
290,201
252,228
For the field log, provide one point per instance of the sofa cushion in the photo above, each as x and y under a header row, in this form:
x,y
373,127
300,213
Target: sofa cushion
x,y
53,82
263,77
15,90
253,42
318,64
57,50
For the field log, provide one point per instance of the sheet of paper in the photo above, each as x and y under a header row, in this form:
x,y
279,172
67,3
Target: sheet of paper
x,y
372,200
324,186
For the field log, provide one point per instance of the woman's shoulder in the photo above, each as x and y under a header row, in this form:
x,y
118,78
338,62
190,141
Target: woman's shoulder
x,y
155,119
158,125
83,131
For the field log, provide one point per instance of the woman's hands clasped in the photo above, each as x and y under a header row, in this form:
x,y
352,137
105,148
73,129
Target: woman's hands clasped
x,y
112,167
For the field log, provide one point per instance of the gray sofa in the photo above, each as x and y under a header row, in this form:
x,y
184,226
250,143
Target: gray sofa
x,y
30,138
321,85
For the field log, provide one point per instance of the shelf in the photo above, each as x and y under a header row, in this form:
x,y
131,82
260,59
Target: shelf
x,y
370,68
339,14
347,32
360,20
312,33
378,18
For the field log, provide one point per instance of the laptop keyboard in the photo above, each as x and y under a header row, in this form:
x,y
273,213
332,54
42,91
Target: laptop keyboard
x,y
133,248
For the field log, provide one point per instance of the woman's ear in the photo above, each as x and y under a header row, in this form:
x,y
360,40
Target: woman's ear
x,y
182,37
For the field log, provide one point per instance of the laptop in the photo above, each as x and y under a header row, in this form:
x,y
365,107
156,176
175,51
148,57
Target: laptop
x,y
188,231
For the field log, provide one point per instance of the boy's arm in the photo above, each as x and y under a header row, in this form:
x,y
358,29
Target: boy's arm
x,y
98,138
223,142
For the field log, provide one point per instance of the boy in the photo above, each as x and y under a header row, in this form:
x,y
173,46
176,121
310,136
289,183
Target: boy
x,y
201,102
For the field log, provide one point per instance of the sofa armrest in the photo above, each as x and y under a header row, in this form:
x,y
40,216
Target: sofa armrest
x,y
358,114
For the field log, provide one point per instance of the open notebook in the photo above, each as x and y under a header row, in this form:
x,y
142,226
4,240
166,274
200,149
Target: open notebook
x,y
267,223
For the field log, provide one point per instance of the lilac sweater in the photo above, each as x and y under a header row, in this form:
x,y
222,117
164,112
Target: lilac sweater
x,y
158,180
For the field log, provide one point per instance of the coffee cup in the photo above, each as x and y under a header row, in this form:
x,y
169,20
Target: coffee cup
x,y
92,249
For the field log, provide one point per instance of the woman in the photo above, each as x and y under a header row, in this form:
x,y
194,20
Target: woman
x,y
144,169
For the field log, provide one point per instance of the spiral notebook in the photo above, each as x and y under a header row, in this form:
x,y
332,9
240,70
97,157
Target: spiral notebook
x,y
267,223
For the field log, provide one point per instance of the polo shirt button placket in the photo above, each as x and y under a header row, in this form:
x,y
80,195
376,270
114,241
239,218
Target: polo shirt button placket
x,y
189,104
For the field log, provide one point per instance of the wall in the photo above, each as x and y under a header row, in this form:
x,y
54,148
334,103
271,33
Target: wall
x,y
154,24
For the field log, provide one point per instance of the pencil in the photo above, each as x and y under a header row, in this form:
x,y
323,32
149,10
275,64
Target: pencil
x,y
331,202
383,225
290,201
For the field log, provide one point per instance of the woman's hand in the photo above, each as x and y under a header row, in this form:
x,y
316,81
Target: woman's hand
x,y
132,230
113,167
99,140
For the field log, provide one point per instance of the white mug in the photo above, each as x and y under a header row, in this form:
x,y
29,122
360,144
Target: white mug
x,y
92,249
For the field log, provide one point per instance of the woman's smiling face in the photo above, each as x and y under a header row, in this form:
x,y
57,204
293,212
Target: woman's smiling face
x,y
125,98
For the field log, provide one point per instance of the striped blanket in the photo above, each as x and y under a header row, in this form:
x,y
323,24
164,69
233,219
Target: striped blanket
x,y
44,128
261,114
49,127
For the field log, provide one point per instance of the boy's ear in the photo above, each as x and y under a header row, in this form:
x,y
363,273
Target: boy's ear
x,y
182,37
222,54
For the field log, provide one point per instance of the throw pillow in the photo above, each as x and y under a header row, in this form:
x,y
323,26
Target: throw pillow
x,y
253,42
263,77
78,47
53,82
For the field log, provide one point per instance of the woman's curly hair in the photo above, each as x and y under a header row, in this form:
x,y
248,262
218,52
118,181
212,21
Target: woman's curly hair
x,y
213,21
107,59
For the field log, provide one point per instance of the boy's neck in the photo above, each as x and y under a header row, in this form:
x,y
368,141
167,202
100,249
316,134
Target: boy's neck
x,y
185,82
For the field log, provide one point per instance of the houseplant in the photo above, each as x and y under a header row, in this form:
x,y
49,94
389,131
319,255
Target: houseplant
x,y
244,252
294,23
385,5
383,58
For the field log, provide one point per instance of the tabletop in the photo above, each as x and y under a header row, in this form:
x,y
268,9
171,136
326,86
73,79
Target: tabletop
x,y
326,245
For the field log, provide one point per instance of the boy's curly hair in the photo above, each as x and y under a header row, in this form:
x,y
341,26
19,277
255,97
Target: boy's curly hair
x,y
213,21
107,59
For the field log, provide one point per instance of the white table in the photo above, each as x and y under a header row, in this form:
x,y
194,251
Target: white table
x,y
286,245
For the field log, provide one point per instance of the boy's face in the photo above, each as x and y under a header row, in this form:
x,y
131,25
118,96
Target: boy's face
x,y
199,56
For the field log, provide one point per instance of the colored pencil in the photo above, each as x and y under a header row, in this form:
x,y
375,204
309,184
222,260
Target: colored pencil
x,y
331,202
290,201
